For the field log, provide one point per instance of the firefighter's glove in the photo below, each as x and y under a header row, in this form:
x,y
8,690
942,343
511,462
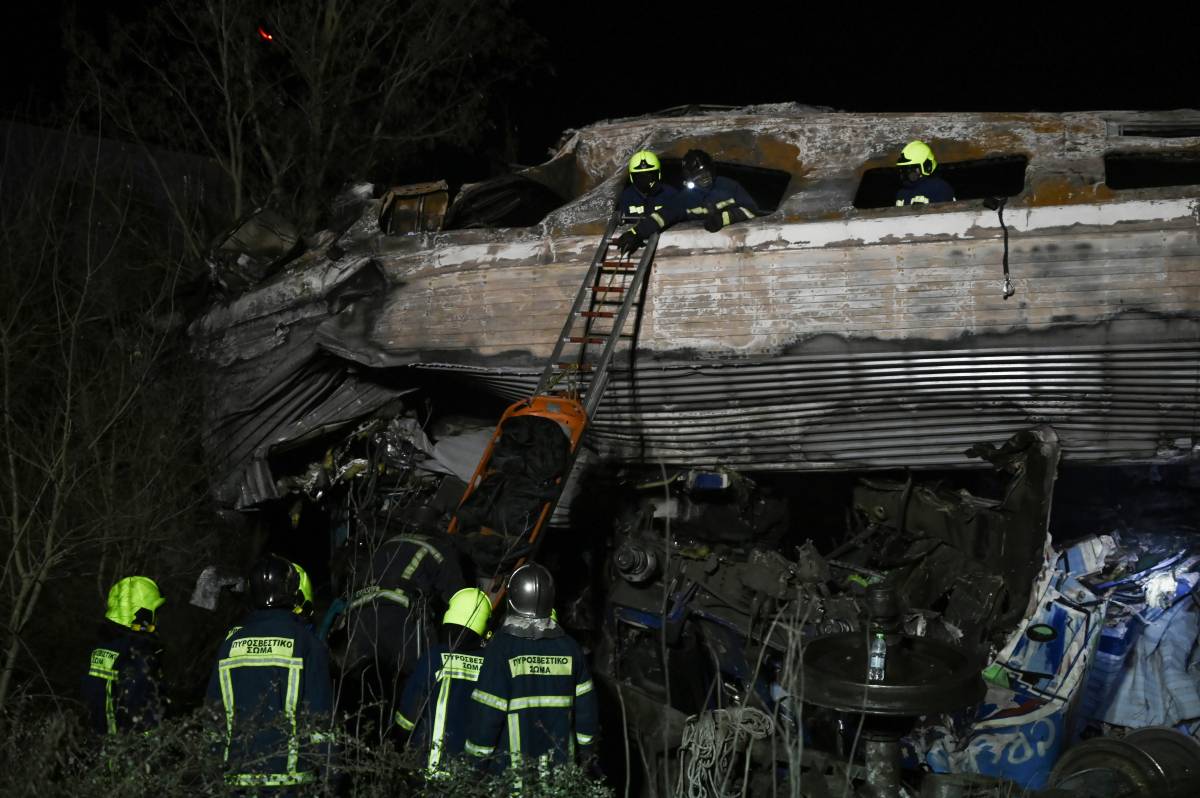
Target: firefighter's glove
x,y
629,242
713,221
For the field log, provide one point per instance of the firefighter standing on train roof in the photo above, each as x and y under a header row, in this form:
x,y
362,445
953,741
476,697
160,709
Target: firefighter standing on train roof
x,y
437,697
272,680
123,686
646,192
718,201
533,703
919,184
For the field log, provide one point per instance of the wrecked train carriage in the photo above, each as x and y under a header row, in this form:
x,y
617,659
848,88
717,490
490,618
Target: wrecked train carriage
x,y
832,333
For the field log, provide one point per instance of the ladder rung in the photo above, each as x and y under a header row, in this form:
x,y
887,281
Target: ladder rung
x,y
597,314
617,266
614,289
598,336
574,366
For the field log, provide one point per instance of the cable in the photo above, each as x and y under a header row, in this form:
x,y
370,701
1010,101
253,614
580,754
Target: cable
x,y
710,742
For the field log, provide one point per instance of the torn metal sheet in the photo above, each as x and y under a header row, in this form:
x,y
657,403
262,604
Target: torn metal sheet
x,y
315,400
976,557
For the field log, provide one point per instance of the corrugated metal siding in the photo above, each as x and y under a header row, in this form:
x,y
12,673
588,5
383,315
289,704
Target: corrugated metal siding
x,y
919,409
316,398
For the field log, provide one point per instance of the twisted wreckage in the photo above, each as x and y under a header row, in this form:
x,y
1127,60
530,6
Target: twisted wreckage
x,y
1054,308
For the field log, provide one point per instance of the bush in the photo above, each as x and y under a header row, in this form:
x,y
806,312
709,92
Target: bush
x,y
48,752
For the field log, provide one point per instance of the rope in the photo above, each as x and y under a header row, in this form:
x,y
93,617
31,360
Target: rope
x,y
710,742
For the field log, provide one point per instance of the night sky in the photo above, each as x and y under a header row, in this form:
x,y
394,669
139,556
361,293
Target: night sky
x,y
624,59
867,58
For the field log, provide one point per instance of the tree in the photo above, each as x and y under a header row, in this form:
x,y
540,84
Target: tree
x,y
292,97
100,475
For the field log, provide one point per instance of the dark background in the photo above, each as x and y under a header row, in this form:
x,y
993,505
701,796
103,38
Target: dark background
x,y
623,59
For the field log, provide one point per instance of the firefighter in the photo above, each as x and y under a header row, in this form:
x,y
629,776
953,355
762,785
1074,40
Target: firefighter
x,y
123,686
272,679
408,577
533,703
717,201
918,183
646,191
437,697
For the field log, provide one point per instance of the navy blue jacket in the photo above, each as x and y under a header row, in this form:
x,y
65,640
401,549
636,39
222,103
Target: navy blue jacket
x,y
925,191
408,578
533,701
123,686
272,679
437,701
635,204
726,199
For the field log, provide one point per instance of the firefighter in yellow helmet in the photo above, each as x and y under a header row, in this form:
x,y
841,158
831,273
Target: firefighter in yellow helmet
x,y
716,200
918,183
123,689
437,697
645,192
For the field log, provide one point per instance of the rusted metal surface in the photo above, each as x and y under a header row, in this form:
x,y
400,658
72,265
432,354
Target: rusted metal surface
x,y
817,337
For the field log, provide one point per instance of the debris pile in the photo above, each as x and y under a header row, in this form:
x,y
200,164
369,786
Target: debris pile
x,y
1000,654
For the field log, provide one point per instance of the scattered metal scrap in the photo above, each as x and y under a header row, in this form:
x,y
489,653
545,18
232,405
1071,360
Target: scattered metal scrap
x,y
895,629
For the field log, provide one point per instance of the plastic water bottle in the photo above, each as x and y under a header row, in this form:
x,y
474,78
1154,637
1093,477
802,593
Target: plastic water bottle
x,y
876,663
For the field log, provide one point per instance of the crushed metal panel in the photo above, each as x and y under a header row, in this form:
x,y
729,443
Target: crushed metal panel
x,y
415,208
317,398
1004,537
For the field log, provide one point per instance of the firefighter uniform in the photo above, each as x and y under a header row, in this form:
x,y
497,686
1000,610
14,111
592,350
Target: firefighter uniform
x,y
724,203
919,184
272,678
437,701
927,190
634,204
533,701
122,687
389,616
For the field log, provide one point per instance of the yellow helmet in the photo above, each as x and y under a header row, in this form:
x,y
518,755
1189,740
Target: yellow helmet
x,y
644,161
645,172
305,606
918,153
131,597
469,607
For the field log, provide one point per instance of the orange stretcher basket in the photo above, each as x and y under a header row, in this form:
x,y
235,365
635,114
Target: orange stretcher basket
x,y
564,410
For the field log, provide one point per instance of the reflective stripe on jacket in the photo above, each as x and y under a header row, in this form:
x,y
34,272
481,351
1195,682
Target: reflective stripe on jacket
x,y
437,700
533,700
272,679
407,564
634,203
123,684
726,197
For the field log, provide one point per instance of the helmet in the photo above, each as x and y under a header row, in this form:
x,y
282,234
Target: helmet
x,y
697,169
531,591
275,584
645,171
918,153
305,607
133,602
469,607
